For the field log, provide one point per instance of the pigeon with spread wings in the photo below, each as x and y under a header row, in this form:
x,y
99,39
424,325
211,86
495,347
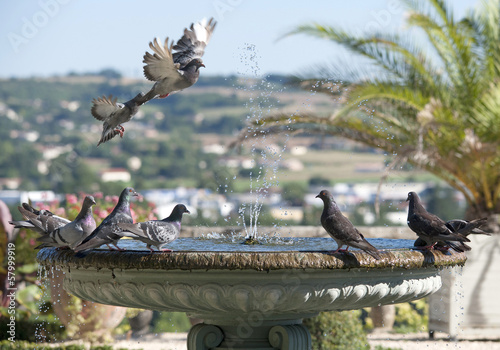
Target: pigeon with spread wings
x,y
178,70
113,114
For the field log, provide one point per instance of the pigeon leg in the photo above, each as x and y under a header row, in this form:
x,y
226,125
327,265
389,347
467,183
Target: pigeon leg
x,y
339,250
442,248
150,248
120,129
165,250
163,96
427,247
110,247
119,249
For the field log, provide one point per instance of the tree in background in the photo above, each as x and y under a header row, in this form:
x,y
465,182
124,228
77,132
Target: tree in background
x,y
435,106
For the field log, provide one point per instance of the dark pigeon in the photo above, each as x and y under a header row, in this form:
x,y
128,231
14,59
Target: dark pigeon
x,y
176,71
157,232
113,114
108,231
341,229
429,228
462,227
73,233
41,221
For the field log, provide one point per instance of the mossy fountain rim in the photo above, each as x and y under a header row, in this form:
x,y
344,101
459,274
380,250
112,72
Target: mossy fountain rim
x,y
249,260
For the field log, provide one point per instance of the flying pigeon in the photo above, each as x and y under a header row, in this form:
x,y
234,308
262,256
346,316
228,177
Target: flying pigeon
x,y
41,221
157,232
113,114
108,231
341,229
176,71
73,233
462,227
429,227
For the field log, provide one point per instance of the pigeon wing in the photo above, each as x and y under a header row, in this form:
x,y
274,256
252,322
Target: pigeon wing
x,y
192,44
103,107
160,64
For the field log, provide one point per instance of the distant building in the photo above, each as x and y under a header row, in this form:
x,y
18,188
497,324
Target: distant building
x,y
115,174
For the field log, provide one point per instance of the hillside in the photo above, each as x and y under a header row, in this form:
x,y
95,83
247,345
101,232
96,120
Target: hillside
x,y
49,137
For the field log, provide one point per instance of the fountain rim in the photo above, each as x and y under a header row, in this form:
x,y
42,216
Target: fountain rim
x,y
259,261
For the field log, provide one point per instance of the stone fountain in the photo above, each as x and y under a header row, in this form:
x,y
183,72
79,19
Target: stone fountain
x,y
250,297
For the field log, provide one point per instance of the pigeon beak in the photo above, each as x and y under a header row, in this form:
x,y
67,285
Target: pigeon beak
x,y
317,196
202,65
187,211
408,198
93,202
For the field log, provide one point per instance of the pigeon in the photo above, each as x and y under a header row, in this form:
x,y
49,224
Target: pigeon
x,y
157,232
429,227
341,229
41,221
73,233
113,114
176,71
108,232
462,227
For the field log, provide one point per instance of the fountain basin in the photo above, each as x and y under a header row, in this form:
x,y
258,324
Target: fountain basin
x,y
250,299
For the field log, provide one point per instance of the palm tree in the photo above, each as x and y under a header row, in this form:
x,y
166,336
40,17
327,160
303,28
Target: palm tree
x,y
435,106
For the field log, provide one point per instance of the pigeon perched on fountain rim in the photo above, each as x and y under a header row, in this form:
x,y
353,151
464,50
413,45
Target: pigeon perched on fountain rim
x,y
113,114
157,232
429,227
341,229
461,227
73,233
108,232
41,221
175,71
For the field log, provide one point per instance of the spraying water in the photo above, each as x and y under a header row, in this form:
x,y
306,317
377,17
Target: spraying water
x,y
264,150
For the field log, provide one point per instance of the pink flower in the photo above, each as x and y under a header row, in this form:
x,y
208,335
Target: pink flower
x,y
114,199
60,212
107,198
71,199
43,206
132,212
152,216
98,195
101,213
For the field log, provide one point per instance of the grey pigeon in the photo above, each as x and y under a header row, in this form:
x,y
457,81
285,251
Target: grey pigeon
x,y
176,71
108,231
41,221
157,232
73,233
461,227
113,114
341,229
429,227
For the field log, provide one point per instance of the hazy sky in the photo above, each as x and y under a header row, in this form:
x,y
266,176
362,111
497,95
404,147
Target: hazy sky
x,y
47,37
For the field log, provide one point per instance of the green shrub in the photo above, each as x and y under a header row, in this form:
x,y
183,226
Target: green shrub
x,y
35,330
337,330
25,345
170,322
412,317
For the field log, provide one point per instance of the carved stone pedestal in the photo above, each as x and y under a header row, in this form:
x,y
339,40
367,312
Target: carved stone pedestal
x,y
262,335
